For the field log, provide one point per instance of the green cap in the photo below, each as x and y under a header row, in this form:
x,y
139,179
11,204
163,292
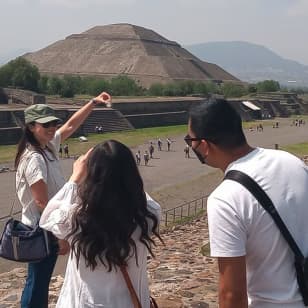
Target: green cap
x,y
40,113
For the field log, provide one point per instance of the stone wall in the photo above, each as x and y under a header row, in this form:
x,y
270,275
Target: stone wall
x,y
18,96
9,135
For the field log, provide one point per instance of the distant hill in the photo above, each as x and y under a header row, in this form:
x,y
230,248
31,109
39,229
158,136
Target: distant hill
x,y
251,62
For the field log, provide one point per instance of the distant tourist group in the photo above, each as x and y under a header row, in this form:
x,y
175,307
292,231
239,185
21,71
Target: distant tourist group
x,y
148,154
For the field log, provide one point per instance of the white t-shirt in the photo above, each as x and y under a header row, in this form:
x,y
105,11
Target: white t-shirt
x,y
239,226
82,287
32,168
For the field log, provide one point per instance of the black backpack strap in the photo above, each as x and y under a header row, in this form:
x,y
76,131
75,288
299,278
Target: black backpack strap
x,y
267,204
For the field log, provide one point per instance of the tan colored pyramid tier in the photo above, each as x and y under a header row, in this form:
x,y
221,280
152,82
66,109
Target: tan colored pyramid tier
x,y
111,50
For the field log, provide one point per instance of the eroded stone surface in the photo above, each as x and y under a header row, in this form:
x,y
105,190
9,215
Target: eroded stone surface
x,y
180,276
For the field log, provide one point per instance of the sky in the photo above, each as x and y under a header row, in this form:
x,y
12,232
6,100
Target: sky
x,y
280,25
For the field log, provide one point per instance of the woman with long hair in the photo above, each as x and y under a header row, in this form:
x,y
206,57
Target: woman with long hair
x,y
109,220
39,178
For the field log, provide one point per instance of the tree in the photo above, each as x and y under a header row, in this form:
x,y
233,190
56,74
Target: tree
x,y
43,84
94,86
123,85
233,90
70,86
54,85
20,73
268,86
156,89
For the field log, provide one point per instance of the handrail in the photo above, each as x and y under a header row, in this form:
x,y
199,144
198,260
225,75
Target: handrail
x,y
187,209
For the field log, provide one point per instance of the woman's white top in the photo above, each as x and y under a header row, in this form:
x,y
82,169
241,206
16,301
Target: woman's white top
x,y
82,287
33,168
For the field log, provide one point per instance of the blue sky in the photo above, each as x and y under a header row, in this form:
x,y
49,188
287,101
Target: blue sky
x,y
281,25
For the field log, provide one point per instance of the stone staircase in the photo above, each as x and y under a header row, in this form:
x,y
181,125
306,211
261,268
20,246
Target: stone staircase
x,y
110,119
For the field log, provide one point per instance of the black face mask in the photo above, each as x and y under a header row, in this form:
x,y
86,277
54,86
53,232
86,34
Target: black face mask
x,y
200,157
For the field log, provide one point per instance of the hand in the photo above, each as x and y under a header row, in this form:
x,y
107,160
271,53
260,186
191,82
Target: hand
x,y
80,168
103,98
64,247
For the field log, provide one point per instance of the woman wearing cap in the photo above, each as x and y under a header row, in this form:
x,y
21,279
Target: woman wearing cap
x,y
38,179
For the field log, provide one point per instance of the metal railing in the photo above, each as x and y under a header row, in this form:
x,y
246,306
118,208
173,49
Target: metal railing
x,y
186,210
178,213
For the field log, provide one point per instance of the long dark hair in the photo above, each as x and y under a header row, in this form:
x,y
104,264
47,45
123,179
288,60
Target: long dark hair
x,y
113,204
27,140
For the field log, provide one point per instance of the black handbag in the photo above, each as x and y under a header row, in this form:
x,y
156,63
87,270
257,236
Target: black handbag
x,y
22,243
301,263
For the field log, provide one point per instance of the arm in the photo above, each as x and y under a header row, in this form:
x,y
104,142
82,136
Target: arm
x,y
39,194
232,282
60,208
80,116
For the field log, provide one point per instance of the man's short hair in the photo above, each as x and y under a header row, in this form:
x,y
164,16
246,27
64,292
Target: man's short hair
x,y
218,122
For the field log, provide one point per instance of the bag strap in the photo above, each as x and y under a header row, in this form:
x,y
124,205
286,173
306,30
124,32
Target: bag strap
x,y
267,204
17,188
130,287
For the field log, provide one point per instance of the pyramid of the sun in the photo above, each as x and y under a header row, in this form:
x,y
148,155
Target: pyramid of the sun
x,y
139,53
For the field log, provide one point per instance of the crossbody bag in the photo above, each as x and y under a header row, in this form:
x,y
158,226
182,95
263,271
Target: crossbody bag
x,y
301,263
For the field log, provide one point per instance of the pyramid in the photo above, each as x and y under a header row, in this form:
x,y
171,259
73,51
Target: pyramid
x,y
139,53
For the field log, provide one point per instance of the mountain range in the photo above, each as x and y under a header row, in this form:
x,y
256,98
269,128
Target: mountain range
x,y
251,62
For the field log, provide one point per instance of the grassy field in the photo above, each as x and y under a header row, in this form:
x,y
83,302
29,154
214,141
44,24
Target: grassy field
x,y
299,149
139,136
130,138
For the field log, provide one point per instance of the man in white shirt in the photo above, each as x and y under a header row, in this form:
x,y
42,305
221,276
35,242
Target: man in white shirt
x,y
256,265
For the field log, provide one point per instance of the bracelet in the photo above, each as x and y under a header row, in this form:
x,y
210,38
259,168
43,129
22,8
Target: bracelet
x,y
93,101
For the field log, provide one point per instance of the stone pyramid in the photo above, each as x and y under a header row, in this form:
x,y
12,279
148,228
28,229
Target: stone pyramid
x,y
137,52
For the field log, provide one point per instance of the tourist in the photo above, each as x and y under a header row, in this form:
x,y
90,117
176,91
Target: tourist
x,y
38,178
138,157
60,150
256,265
151,150
168,143
159,144
146,158
186,151
108,219
66,154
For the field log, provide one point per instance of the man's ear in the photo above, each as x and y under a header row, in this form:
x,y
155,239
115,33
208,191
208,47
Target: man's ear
x,y
205,147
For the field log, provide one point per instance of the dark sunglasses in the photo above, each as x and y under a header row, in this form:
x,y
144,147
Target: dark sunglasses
x,y
50,124
189,139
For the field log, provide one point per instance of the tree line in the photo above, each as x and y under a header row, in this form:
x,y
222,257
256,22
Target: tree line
x,y
20,73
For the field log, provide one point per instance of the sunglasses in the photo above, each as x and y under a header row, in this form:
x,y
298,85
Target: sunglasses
x,y
189,139
50,124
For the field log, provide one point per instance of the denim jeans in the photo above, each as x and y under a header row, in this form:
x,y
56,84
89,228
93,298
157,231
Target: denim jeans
x,y
35,293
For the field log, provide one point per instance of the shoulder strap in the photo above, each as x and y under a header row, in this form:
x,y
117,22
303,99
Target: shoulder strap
x,y
130,287
18,186
267,204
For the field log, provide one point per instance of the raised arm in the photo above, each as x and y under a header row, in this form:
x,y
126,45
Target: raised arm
x,y
80,116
